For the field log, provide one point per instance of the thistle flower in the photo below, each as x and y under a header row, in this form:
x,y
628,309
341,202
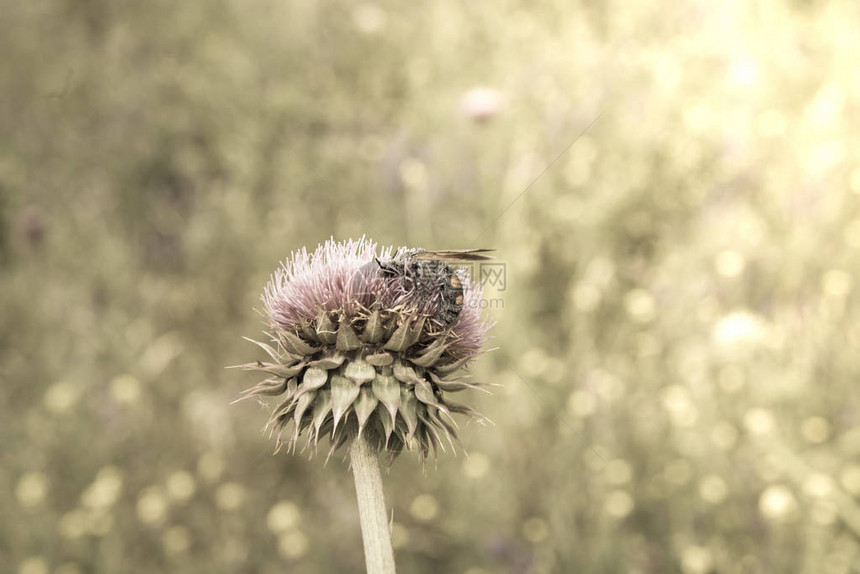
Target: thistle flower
x,y
358,352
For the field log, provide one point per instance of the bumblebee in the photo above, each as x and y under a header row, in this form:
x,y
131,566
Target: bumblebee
x,y
428,279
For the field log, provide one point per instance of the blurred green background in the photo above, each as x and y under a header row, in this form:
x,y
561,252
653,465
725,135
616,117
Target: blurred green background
x,y
680,301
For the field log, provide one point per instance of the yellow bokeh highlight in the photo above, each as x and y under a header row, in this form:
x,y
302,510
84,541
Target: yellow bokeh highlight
x,y
582,403
713,489
152,506
105,489
283,516
696,560
33,565
618,471
730,263
125,389
61,398
181,486
73,524
476,465
619,504
778,504
424,507
230,496
32,489
640,305
759,421
369,18
293,544
739,331
818,485
176,540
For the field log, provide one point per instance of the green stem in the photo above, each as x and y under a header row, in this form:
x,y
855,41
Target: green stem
x,y
378,555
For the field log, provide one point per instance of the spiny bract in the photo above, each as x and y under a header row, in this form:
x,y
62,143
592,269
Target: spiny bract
x,y
356,352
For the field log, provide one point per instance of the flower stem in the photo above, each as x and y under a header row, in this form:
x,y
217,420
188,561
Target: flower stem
x,y
378,555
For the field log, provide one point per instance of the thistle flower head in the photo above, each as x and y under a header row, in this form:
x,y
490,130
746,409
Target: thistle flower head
x,y
359,347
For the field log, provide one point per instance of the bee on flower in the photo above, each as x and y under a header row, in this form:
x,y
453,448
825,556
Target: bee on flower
x,y
368,342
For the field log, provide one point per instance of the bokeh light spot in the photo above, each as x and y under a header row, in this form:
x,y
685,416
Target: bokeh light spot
x,y
33,565
369,18
152,506
61,397
31,489
582,403
413,173
177,540
181,486
849,478
713,489
125,389
105,489
818,485
777,503
640,305
739,330
73,525
283,516
730,263
759,421
476,465
696,560
619,504
424,507
293,544
230,496
586,297
618,471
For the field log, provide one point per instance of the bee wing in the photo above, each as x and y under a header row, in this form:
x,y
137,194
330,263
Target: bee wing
x,y
455,255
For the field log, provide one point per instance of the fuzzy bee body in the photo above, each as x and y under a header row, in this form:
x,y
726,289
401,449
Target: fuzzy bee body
x,y
430,280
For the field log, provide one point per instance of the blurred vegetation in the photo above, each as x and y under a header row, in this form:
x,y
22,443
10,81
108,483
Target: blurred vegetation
x,y
680,298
